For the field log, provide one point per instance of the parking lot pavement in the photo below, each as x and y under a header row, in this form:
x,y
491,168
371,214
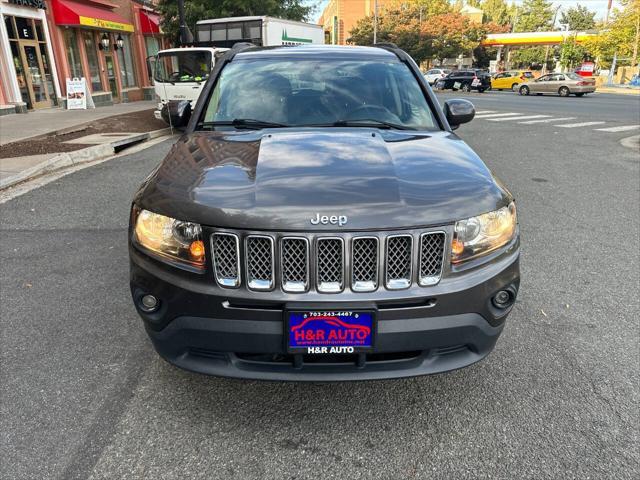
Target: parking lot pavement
x,y
84,396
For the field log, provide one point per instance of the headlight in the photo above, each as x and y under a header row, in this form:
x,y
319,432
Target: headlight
x,y
479,235
171,238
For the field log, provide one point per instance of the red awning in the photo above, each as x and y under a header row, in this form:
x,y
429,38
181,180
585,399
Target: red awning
x,y
68,12
149,23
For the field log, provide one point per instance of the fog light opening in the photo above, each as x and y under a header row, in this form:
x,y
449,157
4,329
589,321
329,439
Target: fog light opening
x,y
503,299
149,303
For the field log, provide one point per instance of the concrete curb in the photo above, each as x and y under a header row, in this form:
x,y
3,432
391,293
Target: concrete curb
x,y
618,90
89,154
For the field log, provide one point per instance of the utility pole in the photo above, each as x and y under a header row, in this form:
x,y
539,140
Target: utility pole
x,y
375,22
185,33
606,18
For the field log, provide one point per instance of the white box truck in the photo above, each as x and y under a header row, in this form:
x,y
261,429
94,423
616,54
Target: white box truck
x,y
180,73
261,31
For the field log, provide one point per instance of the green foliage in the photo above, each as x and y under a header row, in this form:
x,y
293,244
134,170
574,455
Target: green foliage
x,y
621,36
571,53
578,18
496,11
535,16
204,9
527,57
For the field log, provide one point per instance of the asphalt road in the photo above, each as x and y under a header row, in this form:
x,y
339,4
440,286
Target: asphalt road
x,y
84,396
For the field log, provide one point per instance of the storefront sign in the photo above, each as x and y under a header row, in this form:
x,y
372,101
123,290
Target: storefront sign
x,y
105,24
76,94
29,3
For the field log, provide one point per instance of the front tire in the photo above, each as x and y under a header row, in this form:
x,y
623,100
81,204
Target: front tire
x,y
524,90
564,92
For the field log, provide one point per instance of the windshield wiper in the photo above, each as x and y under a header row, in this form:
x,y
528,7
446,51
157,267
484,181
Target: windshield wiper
x,y
243,123
363,122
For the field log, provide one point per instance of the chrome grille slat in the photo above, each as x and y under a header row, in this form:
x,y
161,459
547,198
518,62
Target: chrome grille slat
x,y
364,264
260,262
431,258
330,265
294,260
398,262
226,259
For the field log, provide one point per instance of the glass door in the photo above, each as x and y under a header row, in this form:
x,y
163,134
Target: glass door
x,y
35,75
111,77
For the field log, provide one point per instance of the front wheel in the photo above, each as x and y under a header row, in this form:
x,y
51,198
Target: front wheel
x,y
563,92
524,90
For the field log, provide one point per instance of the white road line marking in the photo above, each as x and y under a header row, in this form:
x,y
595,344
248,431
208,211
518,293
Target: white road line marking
x,y
623,128
485,111
547,120
498,115
576,125
507,119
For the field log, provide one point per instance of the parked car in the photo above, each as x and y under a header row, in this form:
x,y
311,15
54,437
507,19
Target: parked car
x,y
465,80
319,220
510,80
563,84
436,73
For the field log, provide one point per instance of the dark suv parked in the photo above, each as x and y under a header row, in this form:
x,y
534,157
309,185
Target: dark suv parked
x,y
465,80
319,220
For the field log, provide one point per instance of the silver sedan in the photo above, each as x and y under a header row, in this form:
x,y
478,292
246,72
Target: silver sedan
x,y
563,84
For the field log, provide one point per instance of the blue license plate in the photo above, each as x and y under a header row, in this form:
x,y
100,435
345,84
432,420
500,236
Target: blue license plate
x,y
320,331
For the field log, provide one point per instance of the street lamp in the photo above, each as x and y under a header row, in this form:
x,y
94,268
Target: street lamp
x,y
104,42
120,41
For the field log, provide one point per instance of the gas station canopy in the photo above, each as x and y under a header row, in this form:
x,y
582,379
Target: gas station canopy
x,y
533,38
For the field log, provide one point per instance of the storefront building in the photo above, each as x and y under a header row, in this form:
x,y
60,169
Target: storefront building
x,y
106,42
28,78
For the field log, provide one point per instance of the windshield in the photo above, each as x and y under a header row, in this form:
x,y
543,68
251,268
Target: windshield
x,y
319,92
573,76
186,66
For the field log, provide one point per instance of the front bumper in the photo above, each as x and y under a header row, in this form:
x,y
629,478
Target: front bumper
x,y
235,333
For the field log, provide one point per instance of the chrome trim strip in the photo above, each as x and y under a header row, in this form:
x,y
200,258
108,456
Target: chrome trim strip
x,y
365,286
226,282
295,287
330,287
397,283
431,281
259,285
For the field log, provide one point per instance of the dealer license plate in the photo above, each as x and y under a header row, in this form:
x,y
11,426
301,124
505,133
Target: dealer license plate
x,y
321,331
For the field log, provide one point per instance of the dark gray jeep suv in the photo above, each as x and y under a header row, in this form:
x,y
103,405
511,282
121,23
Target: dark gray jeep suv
x,y
319,220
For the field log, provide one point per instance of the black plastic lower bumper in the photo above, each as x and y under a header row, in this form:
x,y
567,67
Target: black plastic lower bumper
x,y
416,346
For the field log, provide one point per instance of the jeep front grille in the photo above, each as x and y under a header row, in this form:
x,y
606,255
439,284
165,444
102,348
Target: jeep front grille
x,y
328,264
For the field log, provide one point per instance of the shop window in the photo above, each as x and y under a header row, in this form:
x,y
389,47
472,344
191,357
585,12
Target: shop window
x,y
152,45
92,60
11,30
44,54
20,74
24,26
125,58
39,31
73,53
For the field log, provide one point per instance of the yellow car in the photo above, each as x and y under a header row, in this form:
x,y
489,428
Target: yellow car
x,y
510,80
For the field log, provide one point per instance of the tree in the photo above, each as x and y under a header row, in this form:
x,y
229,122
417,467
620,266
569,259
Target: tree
x,y
571,53
621,36
578,18
203,9
535,16
496,11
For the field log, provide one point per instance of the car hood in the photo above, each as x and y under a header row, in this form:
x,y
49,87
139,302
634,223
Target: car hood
x,y
279,179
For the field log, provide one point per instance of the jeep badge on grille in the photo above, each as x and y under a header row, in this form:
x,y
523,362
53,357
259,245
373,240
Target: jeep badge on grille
x,y
333,219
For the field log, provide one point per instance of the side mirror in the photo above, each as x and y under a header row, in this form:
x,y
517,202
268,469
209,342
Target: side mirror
x,y
177,113
458,111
